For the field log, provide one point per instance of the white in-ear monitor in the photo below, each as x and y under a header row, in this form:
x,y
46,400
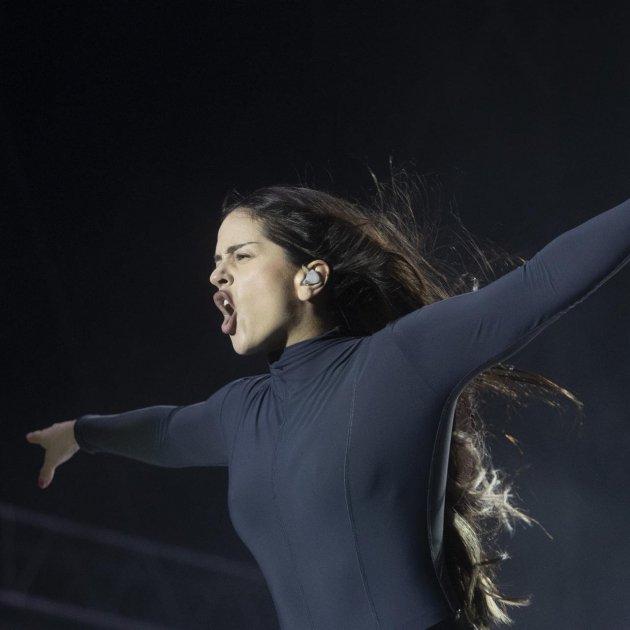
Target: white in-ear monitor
x,y
312,276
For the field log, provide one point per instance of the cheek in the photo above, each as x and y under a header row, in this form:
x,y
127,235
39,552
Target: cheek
x,y
270,296
285,297
274,305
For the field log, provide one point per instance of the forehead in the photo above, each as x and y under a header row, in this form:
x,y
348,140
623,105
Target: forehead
x,y
239,229
238,226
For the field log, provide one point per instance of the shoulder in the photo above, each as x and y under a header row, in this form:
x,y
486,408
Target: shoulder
x,y
239,389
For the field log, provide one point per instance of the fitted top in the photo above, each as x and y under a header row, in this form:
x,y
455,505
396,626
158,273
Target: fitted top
x,y
338,456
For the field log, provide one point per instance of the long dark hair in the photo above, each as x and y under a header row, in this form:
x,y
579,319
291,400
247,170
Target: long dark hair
x,y
385,262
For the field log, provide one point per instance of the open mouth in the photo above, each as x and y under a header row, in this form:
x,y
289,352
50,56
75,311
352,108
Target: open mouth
x,y
224,303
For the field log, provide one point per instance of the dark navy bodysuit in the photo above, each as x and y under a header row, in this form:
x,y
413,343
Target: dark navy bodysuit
x,y
337,458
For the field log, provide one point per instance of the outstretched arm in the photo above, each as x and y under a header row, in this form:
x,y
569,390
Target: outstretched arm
x,y
452,340
164,436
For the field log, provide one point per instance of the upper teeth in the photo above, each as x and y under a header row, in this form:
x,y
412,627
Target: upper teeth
x,y
226,303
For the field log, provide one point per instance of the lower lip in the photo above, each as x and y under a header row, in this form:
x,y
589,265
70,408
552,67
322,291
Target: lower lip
x,y
228,327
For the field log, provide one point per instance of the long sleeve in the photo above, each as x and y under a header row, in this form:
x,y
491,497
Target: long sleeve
x,y
447,343
193,435
452,340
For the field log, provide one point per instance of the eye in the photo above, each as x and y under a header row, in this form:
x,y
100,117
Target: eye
x,y
240,256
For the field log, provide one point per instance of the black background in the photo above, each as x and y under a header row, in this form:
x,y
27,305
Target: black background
x,y
123,124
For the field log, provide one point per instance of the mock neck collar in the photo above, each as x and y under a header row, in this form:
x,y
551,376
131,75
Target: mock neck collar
x,y
308,356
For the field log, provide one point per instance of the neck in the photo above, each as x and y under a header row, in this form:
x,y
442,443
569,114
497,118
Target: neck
x,y
307,330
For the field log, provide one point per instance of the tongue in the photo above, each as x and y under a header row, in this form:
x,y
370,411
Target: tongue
x,y
228,326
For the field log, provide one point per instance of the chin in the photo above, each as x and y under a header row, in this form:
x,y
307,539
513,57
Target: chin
x,y
239,348
244,347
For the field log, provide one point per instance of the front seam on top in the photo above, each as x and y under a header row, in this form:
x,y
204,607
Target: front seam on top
x,y
279,518
346,479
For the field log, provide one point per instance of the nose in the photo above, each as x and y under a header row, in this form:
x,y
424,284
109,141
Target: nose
x,y
220,277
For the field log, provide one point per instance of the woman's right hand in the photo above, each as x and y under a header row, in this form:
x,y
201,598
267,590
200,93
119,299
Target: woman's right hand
x,y
59,443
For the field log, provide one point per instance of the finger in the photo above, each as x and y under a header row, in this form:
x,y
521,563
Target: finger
x,y
34,437
46,475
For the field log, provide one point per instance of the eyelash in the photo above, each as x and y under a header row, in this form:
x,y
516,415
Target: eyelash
x,y
237,256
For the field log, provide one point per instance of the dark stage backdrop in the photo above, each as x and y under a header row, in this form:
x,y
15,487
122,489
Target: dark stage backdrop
x,y
123,124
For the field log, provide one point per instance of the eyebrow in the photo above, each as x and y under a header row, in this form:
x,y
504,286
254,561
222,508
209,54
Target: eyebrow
x,y
232,248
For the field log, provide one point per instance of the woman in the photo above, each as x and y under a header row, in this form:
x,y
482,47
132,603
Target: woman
x,y
339,456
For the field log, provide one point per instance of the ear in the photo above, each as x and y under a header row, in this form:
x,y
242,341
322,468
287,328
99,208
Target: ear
x,y
308,291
